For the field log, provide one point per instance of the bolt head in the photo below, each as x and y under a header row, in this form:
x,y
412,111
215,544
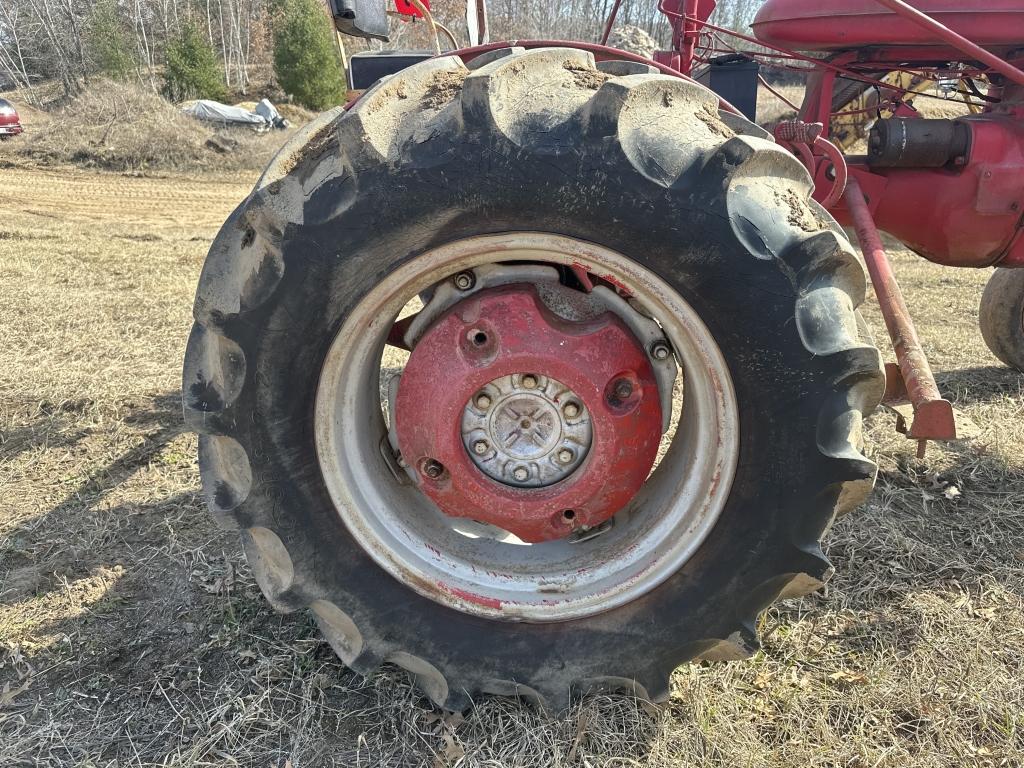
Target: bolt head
x,y
483,402
464,281
520,474
529,381
480,447
571,410
623,389
660,351
565,456
433,468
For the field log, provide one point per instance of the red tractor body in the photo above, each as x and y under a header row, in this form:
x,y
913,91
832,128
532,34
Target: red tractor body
x,y
811,25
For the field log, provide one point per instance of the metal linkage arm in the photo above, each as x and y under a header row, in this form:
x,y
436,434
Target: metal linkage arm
x,y
933,416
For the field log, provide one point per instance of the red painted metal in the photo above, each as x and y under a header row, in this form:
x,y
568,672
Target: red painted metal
x,y
965,216
611,22
406,8
446,369
933,416
958,41
836,163
846,24
802,138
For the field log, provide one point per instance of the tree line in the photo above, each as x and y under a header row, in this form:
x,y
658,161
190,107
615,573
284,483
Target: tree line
x,y
209,48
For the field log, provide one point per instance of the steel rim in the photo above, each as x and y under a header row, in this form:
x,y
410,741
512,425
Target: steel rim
x,y
457,564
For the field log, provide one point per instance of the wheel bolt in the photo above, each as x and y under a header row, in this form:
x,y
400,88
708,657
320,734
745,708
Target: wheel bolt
x,y
520,473
571,410
480,447
483,402
464,281
433,468
529,381
660,351
565,456
623,389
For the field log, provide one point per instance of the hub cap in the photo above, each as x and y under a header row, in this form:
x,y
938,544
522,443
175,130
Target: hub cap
x,y
519,463
526,430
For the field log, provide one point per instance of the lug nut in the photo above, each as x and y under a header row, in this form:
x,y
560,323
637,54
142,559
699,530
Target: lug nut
x,y
660,351
464,281
565,456
480,447
483,402
623,389
433,468
571,410
529,381
520,473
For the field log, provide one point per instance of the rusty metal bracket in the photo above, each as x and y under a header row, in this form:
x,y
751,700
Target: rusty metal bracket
x,y
911,381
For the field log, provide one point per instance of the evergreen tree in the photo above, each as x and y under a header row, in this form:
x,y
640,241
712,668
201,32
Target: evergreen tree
x,y
107,40
192,69
305,58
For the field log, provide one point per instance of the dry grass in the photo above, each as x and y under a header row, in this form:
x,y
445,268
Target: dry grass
x,y
131,631
125,127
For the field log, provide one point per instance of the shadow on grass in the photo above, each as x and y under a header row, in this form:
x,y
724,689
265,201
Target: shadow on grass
x,y
980,384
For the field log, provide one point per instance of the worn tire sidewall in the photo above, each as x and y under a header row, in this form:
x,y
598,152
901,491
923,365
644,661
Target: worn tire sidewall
x,y
687,239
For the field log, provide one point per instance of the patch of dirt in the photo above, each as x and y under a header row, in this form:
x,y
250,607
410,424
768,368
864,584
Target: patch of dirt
x,y
631,38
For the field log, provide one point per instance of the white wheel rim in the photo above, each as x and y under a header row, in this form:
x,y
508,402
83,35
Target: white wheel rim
x,y
438,556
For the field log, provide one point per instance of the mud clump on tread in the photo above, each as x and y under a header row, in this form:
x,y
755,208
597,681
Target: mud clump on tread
x,y
586,77
444,88
314,148
799,213
397,91
709,116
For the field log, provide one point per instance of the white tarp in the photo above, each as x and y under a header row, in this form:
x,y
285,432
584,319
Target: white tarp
x,y
214,111
268,112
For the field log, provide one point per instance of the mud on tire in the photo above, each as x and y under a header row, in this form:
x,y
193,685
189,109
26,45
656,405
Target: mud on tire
x,y
539,140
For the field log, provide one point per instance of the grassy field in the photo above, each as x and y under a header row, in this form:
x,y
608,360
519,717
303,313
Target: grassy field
x,y
132,632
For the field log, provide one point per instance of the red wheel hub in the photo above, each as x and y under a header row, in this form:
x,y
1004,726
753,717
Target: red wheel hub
x,y
514,416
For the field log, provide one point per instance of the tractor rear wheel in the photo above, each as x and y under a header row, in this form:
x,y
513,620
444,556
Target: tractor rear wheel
x,y
1001,316
633,395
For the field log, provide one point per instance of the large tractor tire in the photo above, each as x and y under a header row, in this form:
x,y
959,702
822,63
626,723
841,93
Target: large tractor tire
x,y
1001,316
614,276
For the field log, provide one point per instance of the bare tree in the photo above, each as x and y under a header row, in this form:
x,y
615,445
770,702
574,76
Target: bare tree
x,y
14,25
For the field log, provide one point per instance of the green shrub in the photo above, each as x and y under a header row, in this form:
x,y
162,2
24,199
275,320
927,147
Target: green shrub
x,y
192,69
109,48
305,58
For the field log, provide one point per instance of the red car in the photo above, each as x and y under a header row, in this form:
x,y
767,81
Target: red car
x,y
10,125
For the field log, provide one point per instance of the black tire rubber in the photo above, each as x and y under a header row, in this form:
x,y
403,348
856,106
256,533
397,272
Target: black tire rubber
x,y
1001,316
539,140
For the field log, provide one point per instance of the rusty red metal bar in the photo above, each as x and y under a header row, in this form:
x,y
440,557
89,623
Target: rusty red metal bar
x,y
933,416
958,41
611,22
